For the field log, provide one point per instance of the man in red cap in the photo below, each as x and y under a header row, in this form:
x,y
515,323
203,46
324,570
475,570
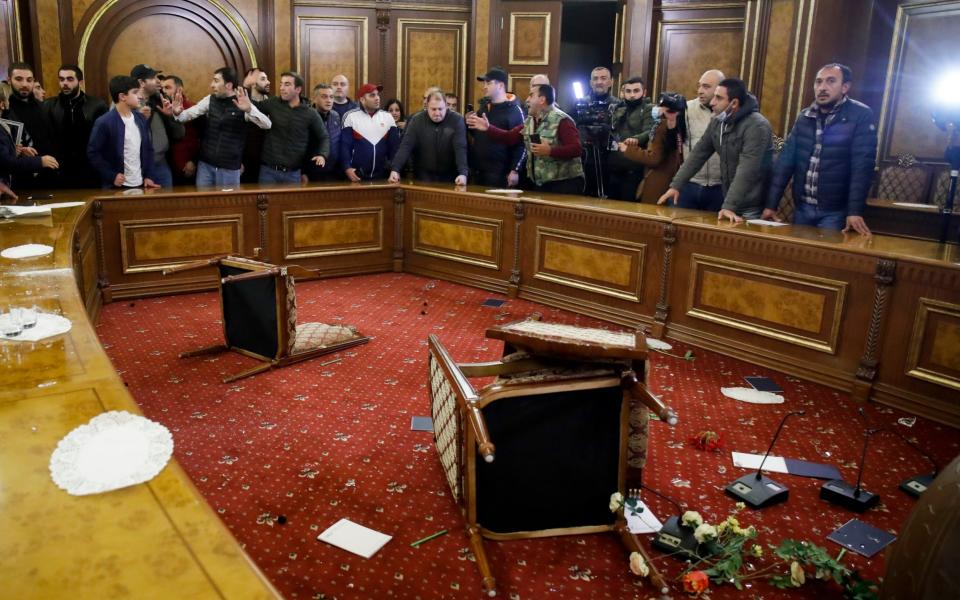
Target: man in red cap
x,y
369,138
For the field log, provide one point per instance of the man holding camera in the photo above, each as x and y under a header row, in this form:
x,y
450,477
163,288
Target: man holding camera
x,y
744,140
631,123
592,115
830,155
551,139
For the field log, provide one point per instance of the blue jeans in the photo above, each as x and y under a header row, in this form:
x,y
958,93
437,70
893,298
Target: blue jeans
x,y
701,197
161,173
811,214
211,176
270,175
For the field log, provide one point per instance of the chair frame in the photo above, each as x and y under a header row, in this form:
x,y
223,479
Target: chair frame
x,y
471,429
259,270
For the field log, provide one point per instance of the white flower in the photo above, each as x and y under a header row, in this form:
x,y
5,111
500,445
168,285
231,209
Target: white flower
x,y
797,576
616,501
692,518
705,533
638,566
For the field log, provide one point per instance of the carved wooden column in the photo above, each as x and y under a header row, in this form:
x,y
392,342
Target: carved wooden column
x,y
102,282
867,371
398,205
663,306
383,28
518,214
260,252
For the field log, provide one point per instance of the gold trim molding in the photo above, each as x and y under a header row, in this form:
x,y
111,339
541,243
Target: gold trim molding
x,y
820,283
290,216
635,249
546,39
495,225
85,37
236,221
364,45
402,44
928,306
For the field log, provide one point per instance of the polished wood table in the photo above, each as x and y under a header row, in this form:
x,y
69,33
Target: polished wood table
x,y
875,316
154,540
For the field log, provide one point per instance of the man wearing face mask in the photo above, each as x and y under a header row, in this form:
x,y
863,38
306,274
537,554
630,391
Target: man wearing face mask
x,y
830,156
744,140
704,191
631,123
438,138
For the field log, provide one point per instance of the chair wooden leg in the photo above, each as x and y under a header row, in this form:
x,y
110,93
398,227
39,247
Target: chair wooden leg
x,y
257,369
486,575
632,544
205,350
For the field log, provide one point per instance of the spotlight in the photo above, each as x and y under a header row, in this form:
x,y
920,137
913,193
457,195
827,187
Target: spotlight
x,y
577,90
946,100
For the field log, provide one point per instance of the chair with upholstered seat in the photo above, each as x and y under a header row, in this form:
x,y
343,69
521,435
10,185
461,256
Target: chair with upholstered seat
x,y
905,181
259,306
539,451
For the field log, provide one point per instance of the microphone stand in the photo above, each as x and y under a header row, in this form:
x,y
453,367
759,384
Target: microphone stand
x,y
756,490
918,484
843,494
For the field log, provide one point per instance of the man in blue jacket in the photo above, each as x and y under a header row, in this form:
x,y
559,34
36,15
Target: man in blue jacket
x,y
120,147
830,154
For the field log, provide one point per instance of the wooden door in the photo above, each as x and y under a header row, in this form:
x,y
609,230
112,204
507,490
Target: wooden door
x,y
529,42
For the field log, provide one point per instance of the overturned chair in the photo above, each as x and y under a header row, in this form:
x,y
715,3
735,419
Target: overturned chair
x,y
259,306
539,451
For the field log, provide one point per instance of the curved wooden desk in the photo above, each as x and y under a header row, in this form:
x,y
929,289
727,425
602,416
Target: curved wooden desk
x,y
155,540
879,317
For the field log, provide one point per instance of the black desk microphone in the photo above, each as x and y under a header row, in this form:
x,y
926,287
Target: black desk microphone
x,y
756,490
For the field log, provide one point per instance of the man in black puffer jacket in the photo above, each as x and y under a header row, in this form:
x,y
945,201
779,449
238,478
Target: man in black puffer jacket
x,y
830,155
497,165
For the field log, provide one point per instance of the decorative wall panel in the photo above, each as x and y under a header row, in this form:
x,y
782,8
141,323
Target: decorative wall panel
x,y
934,349
311,233
792,307
431,52
687,48
529,38
327,46
472,240
155,244
603,265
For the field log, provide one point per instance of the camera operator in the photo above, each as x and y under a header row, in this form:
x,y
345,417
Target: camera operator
x,y
631,124
592,116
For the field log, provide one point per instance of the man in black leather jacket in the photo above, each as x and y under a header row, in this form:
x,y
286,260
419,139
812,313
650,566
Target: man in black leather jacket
x,y
72,113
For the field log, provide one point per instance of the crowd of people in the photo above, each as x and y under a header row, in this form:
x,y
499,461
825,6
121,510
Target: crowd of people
x,y
713,152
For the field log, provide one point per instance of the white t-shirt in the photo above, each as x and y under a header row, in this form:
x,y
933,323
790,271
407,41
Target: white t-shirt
x,y
132,170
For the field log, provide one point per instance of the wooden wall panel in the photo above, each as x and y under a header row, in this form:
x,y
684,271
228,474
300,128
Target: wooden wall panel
x,y
925,41
47,36
178,47
430,53
330,45
686,49
11,44
781,47
528,40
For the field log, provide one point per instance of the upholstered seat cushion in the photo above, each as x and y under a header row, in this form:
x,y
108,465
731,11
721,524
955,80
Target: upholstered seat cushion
x,y
310,336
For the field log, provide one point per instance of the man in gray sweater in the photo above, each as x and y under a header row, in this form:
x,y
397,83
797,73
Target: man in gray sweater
x,y
297,133
744,140
438,138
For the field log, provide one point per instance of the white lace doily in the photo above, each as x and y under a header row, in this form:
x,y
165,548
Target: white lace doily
x,y
751,395
48,325
656,344
114,450
27,251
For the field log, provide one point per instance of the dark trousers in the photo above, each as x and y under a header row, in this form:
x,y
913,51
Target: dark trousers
x,y
623,184
573,186
701,197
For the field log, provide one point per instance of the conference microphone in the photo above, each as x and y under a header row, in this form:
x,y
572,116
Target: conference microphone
x,y
841,493
917,484
675,538
756,490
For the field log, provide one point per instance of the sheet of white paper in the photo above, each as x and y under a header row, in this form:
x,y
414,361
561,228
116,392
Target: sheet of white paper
x,y
505,191
645,522
24,211
63,204
658,344
752,461
27,251
354,537
767,223
915,205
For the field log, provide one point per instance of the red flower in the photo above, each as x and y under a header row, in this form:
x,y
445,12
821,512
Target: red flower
x,y
710,441
696,582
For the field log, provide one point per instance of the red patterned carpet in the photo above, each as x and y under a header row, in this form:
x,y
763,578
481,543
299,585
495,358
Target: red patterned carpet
x,y
316,443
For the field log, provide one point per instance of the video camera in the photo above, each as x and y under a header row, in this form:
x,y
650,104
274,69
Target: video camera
x,y
593,120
